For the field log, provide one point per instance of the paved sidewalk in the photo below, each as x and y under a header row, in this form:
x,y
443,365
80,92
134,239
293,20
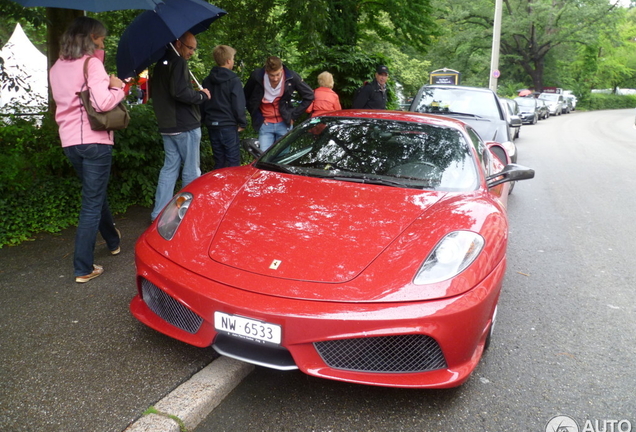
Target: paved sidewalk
x,y
72,356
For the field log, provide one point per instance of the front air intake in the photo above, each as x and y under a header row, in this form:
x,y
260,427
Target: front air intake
x,y
169,309
389,354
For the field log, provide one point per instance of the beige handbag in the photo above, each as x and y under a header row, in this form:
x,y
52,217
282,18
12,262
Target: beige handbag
x,y
115,119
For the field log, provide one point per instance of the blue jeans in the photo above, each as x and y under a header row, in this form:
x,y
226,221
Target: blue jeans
x,y
269,133
92,164
226,148
181,148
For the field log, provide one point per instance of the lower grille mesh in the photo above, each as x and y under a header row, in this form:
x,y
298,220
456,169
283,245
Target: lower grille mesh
x,y
400,353
169,309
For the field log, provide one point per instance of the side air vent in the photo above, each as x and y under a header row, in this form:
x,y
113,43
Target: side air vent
x,y
169,309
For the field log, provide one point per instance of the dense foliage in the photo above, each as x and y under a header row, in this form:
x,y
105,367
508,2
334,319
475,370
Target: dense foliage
x,y
39,191
544,43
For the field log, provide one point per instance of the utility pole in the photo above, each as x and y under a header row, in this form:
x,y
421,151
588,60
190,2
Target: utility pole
x,y
496,38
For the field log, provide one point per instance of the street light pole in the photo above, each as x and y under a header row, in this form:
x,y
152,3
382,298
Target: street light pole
x,y
496,38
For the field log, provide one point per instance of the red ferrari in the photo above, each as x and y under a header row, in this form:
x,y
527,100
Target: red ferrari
x,y
364,246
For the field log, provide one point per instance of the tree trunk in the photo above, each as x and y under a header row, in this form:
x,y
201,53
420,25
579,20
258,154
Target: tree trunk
x,y
58,21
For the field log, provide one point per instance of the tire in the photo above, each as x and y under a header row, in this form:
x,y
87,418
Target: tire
x,y
535,119
491,329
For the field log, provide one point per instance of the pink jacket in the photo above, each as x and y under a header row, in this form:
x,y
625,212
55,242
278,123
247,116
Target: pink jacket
x,y
326,100
67,78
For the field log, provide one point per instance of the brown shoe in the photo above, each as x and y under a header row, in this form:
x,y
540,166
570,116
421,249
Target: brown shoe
x,y
118,250
97,270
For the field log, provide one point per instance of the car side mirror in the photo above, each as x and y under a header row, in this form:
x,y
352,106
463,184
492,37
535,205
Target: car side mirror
x,y
515,121
511,172
499,151
252,146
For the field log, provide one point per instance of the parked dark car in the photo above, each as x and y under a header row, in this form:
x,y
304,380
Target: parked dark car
x,y
544,109
481,108
529,111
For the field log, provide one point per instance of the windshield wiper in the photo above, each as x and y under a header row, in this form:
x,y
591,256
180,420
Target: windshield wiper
x,y
270,166
367,180
463,114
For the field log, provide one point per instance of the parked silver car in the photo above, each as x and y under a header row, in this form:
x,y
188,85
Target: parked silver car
x,y
479,107
568,95
514,120
555,102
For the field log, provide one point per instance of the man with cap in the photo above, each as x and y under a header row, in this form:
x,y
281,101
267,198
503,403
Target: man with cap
x,y
373,95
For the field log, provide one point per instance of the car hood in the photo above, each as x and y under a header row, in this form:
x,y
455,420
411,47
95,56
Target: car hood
x,y
308,229
316,239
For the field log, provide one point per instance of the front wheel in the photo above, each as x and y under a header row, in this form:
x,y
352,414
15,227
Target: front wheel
x,y
491,329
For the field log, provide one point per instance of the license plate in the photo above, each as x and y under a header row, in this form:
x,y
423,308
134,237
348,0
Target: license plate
x,y
247,328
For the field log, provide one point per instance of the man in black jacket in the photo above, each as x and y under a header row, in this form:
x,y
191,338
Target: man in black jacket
x,y
224,113
268,94
179,118
373,94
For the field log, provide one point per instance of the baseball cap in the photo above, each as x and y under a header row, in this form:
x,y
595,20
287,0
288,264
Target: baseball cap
x,y
382,69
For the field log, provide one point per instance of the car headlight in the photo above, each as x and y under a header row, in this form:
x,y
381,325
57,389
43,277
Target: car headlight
x,y
510,148
173,214
450,257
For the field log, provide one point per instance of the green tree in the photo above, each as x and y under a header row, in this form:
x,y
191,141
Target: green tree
x,y
531,29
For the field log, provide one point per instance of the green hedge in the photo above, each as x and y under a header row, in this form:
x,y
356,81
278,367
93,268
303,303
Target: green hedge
x,y
39,190
603,101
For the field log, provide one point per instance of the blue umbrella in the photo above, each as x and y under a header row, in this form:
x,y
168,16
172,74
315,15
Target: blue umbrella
x,y
92,5
146,39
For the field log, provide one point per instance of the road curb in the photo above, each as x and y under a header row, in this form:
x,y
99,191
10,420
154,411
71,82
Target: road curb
x,y
195,399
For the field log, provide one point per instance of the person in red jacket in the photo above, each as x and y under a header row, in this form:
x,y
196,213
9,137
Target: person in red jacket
x,y
325,99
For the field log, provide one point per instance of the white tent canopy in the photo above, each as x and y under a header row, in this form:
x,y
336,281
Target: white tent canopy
x,y
27,67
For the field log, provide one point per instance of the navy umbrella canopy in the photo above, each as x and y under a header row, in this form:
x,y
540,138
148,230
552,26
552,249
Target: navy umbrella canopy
x,y
92,5
146,39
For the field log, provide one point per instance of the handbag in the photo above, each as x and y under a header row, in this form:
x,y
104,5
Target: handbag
x,y
115,119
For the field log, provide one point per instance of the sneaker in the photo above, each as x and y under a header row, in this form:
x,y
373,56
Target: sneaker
x,y
97,270
116,251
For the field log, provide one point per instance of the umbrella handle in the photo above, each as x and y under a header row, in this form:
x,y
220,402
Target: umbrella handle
x,y
199,87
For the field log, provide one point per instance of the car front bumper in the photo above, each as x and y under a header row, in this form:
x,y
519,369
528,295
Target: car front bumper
x,y
454,328
527,118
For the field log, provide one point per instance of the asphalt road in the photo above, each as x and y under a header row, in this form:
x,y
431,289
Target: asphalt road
x,y
72,357
565,341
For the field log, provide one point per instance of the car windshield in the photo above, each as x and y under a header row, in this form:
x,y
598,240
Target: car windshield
x,y
526,103
447,100
376,151
552,97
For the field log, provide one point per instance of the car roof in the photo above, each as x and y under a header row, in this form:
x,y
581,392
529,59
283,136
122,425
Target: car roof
x,y
479,89
409,116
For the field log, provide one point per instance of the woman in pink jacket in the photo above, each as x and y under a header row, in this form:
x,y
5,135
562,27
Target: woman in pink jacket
x,y
325,99
89,151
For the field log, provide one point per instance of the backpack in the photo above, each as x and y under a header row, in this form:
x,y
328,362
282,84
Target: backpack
x,y
357,92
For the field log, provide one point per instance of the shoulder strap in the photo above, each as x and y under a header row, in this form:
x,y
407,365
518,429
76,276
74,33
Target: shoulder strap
x,y
86,71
